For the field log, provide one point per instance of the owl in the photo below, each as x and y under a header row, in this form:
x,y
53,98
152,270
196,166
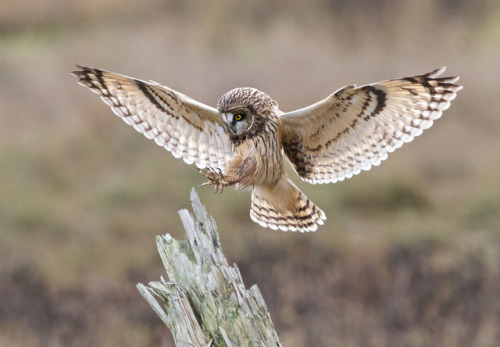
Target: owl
x,y
243,142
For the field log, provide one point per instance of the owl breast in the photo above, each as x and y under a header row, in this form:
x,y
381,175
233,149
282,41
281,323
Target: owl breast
x,y
259,159
252,121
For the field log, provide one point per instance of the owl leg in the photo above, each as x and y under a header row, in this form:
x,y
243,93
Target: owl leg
x,y
215,177
239,171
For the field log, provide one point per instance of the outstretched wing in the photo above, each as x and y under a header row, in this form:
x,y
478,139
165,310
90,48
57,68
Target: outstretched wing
x,y
356,127
187,128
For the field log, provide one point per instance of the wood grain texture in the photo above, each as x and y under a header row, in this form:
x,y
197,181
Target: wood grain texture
x,y
205,302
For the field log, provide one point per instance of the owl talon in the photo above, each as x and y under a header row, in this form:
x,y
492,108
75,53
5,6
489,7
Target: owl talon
x,y
215,177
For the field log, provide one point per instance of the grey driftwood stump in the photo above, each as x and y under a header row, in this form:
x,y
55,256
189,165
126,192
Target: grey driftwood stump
x,y
205,302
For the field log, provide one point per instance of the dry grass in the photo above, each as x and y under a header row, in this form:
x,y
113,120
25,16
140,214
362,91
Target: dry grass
x,y
409,254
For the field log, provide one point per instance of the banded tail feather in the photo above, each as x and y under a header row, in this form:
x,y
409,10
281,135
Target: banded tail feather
x,y
283,206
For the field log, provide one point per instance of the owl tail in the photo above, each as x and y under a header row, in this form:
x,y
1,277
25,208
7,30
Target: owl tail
x,y
283,206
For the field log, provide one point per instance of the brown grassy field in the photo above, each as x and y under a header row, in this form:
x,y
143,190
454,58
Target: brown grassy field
x,y
409,255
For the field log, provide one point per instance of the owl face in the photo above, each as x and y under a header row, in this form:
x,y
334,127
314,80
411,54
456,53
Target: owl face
x,y
239,120
246,111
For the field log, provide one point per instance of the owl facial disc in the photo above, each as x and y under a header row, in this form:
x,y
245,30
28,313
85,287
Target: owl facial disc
x,y
238,122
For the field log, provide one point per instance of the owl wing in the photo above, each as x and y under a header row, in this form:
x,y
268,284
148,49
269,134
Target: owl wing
x,y
187,128
356,127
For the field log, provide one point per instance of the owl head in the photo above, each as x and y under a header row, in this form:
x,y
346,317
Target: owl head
x,y
246,111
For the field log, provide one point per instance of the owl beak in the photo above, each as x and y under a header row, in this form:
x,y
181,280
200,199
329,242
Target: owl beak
x,y
227,117
231,128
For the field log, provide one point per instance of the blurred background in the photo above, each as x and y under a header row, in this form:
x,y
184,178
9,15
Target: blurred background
x,y
409,255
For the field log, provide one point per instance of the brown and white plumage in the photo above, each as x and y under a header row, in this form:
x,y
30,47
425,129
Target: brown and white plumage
x,y
356,128
242,141
189,129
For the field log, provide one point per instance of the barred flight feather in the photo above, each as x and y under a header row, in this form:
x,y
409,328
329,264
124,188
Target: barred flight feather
x,y
171,119
361,126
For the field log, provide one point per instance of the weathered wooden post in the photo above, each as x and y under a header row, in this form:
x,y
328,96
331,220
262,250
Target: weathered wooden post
x,y
205,302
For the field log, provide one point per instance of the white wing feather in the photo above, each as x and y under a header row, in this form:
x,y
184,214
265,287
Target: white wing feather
x,y
356,128
187,128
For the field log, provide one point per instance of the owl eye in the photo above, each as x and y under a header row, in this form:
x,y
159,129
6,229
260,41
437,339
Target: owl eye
x,y
239,117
